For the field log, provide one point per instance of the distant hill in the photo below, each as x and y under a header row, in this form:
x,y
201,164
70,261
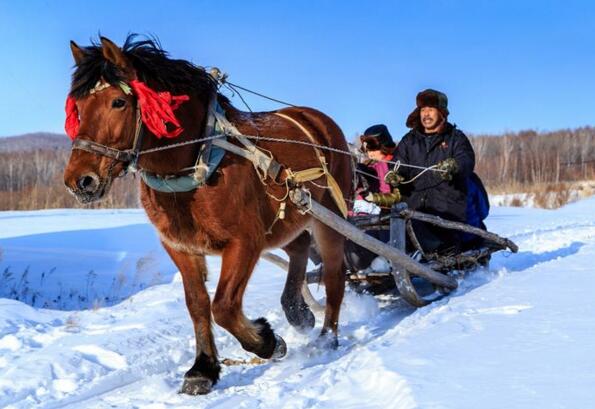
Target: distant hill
x,y
34,141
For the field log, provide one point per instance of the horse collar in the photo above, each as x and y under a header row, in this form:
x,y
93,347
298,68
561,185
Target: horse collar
x,y
208,160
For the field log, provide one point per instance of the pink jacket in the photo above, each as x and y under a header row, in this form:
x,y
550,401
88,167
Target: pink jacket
x,y
381,169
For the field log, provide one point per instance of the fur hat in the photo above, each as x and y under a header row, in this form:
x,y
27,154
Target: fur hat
x,y
377,138
428,98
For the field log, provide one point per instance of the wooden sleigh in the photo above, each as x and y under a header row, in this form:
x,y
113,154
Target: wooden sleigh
x,y
409,273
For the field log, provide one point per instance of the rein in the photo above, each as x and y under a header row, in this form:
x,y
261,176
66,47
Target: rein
x,y
215,120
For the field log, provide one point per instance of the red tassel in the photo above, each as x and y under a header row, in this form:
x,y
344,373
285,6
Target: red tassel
x,y
157,109
71,126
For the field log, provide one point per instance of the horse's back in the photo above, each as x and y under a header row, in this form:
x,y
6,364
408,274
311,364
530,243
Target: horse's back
x,y
325,132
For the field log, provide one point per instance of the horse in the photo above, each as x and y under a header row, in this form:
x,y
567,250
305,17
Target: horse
x,y
127,103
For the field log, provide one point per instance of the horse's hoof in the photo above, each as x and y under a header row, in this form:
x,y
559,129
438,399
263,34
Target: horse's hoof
x,y
280,348
300,316
196,385
327,341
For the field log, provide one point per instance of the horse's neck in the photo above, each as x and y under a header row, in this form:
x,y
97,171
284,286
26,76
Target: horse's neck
x,y
245,122
192,117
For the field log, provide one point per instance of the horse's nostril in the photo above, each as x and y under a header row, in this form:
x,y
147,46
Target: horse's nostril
x,y
88,183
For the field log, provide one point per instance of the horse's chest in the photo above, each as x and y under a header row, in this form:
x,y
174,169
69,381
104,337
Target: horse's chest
x,y
180,229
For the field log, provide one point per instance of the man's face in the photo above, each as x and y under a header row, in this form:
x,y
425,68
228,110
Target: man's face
x,y
431,118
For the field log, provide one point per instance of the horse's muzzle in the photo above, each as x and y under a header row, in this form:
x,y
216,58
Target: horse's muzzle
x,y
88,188
89,183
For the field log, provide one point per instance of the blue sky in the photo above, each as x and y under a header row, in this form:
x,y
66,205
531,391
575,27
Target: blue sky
x,y
505,65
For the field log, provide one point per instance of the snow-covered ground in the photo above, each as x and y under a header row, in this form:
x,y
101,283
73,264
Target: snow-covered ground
x,y
519,335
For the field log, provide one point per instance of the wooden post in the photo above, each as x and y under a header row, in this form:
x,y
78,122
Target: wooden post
x,y
398,239
396,256
397,227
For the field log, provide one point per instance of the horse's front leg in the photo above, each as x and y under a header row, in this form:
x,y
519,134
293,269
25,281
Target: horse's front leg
x,y
238,261
205,372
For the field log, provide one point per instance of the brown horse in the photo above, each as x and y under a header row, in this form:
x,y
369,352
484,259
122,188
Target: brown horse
x,y
233,215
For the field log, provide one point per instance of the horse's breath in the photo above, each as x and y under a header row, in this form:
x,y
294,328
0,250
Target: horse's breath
x,y
234,214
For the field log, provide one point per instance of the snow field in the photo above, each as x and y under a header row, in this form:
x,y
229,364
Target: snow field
x,y
517,335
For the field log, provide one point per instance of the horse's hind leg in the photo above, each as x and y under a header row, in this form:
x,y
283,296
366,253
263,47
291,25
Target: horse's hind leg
x,y
239,258
331,245
296,310
205,372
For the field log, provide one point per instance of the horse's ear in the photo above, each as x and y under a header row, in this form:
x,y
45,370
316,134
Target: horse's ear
x,y
114,54
77,53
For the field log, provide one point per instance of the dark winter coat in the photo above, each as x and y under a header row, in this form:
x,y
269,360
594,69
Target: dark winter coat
x,y
430,193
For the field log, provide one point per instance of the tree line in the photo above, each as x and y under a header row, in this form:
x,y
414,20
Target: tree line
x,y
31,173
512,161
33,179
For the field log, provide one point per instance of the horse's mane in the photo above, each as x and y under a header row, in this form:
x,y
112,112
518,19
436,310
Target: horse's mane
x,y
152,65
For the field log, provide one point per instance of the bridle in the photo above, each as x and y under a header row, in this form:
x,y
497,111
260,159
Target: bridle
x,y
128,156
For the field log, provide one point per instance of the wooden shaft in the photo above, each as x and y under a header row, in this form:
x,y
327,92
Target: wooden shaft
x,y
399,259
276,260
306,293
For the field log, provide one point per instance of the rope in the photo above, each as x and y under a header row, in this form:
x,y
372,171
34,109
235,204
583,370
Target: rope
x,y
257,93
328,148
179,144
234,91
267,139
367,174
233,87
398,165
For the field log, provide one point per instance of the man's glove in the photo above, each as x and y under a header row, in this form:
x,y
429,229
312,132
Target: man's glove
x,y
384,199
393,178
448,167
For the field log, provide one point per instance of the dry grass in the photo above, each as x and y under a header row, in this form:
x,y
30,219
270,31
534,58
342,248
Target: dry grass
x,y
545,195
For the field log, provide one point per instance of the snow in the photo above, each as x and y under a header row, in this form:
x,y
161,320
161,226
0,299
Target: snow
x,y
79,259
551,196
516,335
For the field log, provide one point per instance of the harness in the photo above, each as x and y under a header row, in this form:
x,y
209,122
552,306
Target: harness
x,y
217,130
129,155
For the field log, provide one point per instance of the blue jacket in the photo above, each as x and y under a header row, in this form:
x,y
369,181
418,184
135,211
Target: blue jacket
x,y
478,203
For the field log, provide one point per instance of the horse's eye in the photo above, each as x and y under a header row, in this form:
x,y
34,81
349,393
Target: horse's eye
x,y
118,103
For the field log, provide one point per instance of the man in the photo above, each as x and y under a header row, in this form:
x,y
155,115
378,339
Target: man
x,y
434,141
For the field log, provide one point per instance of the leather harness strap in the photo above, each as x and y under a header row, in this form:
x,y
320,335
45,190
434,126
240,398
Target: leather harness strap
x,y
261,160
307,175
99,149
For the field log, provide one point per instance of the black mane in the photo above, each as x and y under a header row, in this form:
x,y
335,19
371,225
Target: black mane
x,y
152,65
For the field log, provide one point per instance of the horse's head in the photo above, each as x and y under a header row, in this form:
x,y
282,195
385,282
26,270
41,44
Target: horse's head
x,y
110,108
104,115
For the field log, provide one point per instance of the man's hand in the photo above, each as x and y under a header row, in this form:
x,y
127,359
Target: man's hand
x,y
384,199
448,167
393,178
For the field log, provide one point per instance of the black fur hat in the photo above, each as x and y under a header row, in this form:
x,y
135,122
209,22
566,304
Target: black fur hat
x,y
377,138
428,98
